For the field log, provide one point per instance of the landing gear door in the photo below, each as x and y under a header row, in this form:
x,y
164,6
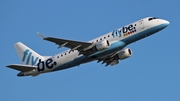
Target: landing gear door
x,y
141,24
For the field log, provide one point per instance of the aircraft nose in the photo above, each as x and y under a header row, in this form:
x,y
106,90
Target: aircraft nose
x,y
165,22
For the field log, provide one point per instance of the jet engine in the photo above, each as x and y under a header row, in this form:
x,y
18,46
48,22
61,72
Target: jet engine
x,y
125,53
104,44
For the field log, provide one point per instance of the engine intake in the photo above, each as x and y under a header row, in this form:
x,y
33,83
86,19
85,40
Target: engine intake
x,y
104,44
125,53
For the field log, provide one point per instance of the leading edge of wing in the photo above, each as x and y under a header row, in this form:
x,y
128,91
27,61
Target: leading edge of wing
x,y
73,45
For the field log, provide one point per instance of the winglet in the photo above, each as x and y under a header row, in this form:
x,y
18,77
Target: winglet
x,y
43,37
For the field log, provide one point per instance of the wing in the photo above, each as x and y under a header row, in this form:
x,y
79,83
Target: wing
x,y
82,47
110,60
22,68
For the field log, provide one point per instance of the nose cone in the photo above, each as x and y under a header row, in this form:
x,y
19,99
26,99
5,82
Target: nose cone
x,y
165,23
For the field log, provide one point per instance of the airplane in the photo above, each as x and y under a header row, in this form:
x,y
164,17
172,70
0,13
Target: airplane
x,y
108,49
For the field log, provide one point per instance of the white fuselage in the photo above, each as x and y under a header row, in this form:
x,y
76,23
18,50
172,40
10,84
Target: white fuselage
x,y
118,40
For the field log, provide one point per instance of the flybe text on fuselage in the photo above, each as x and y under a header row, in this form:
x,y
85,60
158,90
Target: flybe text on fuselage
x,y
42,65
130,29
126,30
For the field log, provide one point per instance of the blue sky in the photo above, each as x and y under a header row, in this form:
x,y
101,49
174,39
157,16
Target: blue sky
x,y
151,74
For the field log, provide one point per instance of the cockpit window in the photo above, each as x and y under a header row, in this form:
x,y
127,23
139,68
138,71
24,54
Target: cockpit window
x,y
155,18
152,18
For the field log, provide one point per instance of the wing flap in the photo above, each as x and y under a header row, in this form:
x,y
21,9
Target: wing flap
x,y
22,68
109,60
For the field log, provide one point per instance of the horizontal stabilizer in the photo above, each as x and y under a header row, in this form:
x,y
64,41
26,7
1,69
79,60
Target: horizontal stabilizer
x,y
22,68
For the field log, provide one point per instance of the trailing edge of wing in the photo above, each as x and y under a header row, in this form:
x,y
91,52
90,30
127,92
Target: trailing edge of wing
x,y
109,60
22,68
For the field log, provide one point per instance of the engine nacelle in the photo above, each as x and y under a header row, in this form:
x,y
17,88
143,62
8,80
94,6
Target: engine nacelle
x,y
125,53
104,44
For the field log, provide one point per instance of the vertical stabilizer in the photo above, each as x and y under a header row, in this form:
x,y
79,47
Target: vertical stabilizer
x,y
27,55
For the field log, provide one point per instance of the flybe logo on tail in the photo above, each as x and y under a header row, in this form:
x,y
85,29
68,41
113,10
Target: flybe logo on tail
x,y
27,57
